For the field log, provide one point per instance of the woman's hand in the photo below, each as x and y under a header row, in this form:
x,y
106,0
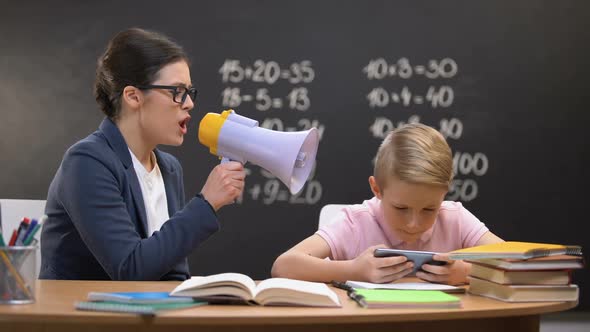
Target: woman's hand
x,y
455,272
224,184
369,268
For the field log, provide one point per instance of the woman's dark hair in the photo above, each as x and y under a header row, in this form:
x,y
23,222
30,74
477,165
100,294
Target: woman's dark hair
x,y
133,57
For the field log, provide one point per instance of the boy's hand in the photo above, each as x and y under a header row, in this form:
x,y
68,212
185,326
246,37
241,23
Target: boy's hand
x,y
453,273
373,269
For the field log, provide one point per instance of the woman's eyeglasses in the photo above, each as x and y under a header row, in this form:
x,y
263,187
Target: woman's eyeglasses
x,y
179,93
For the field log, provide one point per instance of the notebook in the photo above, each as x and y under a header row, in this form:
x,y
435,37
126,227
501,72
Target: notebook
x,y
135,308
137,297
515,250
392,298
406,285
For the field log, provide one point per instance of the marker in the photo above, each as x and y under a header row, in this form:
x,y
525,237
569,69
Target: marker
x,y
359,299
12,238
22,228
27,241
1,236
30,238
30,228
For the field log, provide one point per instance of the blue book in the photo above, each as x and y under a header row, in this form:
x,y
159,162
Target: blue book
x,y
138,297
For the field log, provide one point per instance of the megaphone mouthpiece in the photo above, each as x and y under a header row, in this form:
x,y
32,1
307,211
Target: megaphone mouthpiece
x,y
300,161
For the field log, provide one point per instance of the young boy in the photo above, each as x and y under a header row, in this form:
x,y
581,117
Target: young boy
x,y
412,174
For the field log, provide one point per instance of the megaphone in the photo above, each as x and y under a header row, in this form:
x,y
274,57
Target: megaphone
x,y
287,155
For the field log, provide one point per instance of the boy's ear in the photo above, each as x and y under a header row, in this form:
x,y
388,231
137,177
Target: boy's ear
x,y
375,187
132,97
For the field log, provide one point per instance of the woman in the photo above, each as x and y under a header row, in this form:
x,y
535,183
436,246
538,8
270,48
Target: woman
x,y
116,205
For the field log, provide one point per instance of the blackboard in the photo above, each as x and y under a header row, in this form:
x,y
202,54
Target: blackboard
x,y
505,81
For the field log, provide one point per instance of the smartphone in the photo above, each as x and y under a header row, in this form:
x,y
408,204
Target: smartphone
x,y
418,257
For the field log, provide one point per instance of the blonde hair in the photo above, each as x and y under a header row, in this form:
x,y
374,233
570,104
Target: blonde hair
x,y
414,153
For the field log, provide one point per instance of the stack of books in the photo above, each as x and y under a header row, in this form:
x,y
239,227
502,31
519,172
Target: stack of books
x,y
523,271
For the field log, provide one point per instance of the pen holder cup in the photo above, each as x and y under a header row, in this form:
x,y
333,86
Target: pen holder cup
x,y
17,274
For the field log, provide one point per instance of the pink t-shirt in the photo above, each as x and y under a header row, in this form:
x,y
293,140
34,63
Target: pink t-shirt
x,y
362,225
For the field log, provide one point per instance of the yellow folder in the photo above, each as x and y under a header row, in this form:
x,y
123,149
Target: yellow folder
x,y
515,250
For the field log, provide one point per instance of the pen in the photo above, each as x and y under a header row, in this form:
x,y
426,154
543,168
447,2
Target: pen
x,y
12,240
359,299
28,231
22,229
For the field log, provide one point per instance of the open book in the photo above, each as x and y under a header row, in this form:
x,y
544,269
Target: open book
x,y
515,250
274,291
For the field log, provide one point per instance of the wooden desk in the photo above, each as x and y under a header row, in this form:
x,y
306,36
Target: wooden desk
x,y
54,311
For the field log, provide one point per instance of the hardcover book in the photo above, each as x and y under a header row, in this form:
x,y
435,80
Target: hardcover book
x,y
523,293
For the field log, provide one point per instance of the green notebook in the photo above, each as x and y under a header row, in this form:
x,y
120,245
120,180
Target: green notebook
x,y
140,309
389,298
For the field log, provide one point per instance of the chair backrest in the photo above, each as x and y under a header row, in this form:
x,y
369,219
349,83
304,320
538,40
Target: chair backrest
x,y
329,213
13,210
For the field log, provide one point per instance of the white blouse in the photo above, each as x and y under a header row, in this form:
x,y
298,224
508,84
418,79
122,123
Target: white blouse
x,y
153,192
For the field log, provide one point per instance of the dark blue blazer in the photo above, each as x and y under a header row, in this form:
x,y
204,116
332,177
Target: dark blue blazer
x,y
97,225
